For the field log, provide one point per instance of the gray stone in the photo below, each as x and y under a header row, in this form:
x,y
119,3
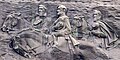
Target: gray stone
x,y
110,14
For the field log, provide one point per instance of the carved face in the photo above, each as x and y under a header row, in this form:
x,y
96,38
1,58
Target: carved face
x,y
97,15
42,11
60,11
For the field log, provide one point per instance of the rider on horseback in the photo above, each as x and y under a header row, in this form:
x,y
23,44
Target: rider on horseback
x,y
61,28
31,37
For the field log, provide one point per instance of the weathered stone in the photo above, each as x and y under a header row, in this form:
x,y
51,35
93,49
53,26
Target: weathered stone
x,y
80,7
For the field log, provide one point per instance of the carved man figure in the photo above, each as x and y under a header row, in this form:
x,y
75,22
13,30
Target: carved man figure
x,y
11,22
39,25
31,37
61,27
102,30
40,22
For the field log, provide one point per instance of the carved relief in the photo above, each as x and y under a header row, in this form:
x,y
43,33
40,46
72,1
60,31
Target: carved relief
x,y
82,33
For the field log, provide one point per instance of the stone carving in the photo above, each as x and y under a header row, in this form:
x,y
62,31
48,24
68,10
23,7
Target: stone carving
x,y
31,35
102,30
44,40
11,22
40,18
29,43
80,28
62,26
61,31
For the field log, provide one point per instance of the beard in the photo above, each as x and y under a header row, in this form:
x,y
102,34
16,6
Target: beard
x,y
41,14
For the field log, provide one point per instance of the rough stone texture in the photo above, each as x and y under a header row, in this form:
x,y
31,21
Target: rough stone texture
x,y
110,11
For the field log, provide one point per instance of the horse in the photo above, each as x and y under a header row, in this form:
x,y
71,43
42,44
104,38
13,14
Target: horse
x,y
83,51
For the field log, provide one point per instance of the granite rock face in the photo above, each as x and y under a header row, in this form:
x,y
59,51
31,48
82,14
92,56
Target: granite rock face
x,y
110,13
29,9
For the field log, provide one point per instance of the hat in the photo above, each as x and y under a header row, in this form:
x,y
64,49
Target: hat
x,y
42,6
62,6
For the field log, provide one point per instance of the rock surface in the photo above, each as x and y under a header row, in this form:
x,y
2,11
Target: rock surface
x,y
110,11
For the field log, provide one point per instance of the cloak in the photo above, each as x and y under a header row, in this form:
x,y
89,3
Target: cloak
x,y
109,31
